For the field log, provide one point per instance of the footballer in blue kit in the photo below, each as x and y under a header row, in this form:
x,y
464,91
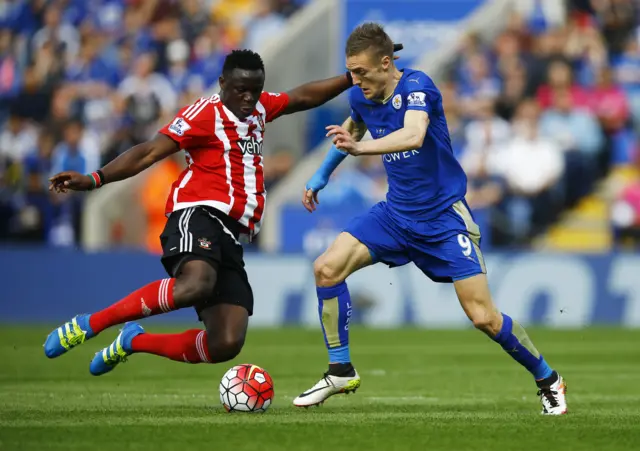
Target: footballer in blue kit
x,y
425,219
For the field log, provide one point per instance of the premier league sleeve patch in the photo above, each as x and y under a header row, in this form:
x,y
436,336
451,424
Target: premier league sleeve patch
x,y
179,126
417,99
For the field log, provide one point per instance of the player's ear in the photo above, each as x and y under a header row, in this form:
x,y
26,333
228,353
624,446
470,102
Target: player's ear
x,y
386,62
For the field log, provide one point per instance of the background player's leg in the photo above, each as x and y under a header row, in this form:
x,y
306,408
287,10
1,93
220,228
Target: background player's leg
x,y
476,301
345,256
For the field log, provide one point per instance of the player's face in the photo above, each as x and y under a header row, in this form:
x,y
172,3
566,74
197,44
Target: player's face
x,y
370,73
240,91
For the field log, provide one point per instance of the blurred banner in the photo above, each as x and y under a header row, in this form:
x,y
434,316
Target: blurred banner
x,y
548,289
421,25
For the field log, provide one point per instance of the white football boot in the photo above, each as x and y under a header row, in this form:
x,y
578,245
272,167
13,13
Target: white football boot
x,y
326,387
554,398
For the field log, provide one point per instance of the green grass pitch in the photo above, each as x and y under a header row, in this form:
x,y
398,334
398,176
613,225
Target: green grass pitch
x,y
421,390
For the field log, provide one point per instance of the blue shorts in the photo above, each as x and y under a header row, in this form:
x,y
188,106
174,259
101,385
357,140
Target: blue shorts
x,y
446,248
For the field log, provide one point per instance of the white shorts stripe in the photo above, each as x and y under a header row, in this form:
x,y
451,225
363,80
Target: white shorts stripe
x,y
181,228
186,239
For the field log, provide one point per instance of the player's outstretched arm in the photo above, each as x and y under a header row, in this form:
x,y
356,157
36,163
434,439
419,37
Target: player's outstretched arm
x,y
130,163
331,161
316,93
410,137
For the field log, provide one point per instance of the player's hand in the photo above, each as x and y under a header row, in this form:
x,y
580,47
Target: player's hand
x,y
310,199
343,140
310,195
70,180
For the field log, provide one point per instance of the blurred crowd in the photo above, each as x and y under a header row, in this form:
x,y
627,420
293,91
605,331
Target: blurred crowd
x,y
81,81
541,112
538,114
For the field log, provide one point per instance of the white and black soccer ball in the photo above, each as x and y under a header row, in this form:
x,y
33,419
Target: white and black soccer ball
x,y
246,388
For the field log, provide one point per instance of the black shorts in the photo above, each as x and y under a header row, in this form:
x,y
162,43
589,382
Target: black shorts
x,y
204,233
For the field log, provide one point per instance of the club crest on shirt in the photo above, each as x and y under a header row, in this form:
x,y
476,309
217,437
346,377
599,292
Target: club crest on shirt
x,y
179,126
204,244
397,101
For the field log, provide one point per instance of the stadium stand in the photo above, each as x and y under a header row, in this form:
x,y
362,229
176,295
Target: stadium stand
x,y
544,116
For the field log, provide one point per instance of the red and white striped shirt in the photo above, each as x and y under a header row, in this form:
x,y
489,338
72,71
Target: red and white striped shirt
x,y
225,159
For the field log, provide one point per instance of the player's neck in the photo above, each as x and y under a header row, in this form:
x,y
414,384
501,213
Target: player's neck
x,y
394,79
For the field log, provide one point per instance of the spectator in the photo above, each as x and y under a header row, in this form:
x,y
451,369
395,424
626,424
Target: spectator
x,y
234,14
542,14
485,136
612,111
618,20
38,162
578,135
90,84
63,37
208,56
17,138
546,48
610,103
194,19
513,91
483,85
627,74
531,166
69,155
36,212
10,73
146,96
571,128
560,79
264,27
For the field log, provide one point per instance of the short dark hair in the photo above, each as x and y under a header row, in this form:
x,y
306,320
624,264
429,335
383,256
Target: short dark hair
x,y
369,36
242,59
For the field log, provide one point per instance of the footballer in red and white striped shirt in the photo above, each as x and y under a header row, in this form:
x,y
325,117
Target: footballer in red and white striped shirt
x,y
224,156
218,200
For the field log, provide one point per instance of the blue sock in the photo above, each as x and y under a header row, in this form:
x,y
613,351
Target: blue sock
x,y
334,308
516,342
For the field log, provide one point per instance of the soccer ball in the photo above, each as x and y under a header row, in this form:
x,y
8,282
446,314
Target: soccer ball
x,y
246,388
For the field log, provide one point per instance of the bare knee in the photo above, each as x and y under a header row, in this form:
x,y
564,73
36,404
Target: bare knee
x,y
224,347
488,321
194,284
475,299
327,274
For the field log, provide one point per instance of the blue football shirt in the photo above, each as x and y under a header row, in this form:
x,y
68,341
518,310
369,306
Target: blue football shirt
x,y
422,182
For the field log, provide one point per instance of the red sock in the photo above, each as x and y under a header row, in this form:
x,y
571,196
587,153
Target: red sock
x,y
155,298
189,346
